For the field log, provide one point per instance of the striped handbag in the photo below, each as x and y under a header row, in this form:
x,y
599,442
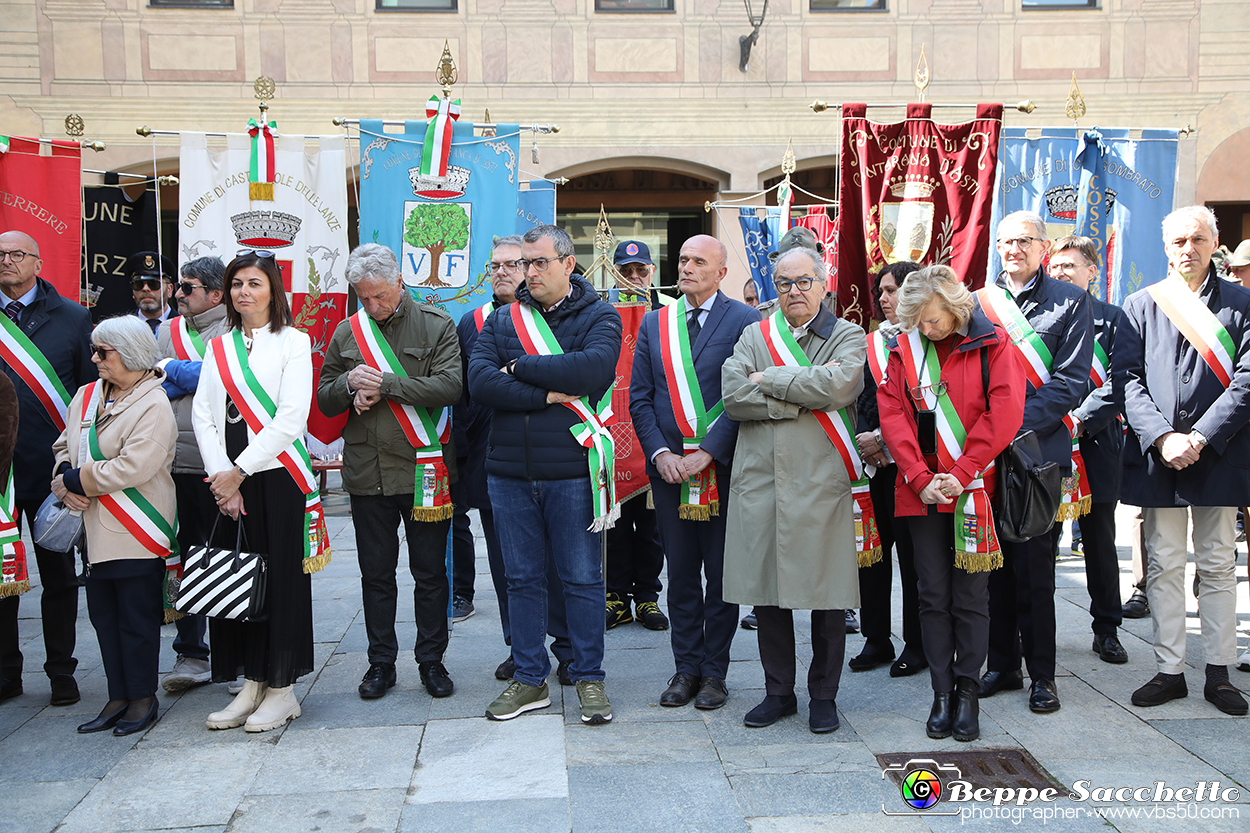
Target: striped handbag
x,y
223,583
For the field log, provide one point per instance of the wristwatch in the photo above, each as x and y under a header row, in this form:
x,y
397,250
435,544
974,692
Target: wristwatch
x,y
240,471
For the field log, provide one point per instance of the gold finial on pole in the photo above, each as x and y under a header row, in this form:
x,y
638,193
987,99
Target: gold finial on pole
x,y
74,125
922,74
1026,106
788,163
446,74
1074,108
819,106
262,90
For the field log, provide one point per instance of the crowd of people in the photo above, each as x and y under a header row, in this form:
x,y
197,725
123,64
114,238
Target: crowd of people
x,y
792,458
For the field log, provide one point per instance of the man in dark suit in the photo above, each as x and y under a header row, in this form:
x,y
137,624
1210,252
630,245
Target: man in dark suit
x,y
1187,400
708,323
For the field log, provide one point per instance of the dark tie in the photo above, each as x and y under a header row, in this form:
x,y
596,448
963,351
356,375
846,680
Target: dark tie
x,y
14,309
155,324
693,326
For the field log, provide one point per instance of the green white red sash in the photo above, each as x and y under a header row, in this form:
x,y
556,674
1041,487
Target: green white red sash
x,y
437,145
1078,497
1199,326
482,313
261,166
786,352
188,345
13,577
592,433
258,409
878,356
131,509
431,495
700,497
976,542
21,354
1101,368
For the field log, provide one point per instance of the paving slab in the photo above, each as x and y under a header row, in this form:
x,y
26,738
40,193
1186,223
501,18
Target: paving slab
x,y
848,823
790,794
354,811
517,815
38,807
641,744
50,749
334,760
677,797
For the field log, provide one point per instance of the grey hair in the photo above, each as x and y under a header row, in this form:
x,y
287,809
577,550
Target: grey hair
x,y
1192,212
372,262
559,238
933,282
131,338
1028,217
209,271
507,240
818,262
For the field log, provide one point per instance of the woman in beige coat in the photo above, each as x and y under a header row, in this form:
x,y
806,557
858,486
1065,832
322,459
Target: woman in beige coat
x,y
112,463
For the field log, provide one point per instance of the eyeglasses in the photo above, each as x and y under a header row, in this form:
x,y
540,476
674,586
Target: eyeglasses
x,y
102,352
1066,267
504,266
539,263
1022,242
631,269
145,283
17,255
188,289
260,253
784,286
919,392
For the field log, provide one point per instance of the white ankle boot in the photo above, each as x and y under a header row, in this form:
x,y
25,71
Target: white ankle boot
x,y
278,707
243,704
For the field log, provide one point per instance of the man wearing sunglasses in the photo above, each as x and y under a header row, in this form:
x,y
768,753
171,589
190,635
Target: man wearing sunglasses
x,y
56,332
180,343
152,287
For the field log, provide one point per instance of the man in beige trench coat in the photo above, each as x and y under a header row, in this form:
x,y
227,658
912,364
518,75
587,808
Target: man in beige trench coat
x,y
790,537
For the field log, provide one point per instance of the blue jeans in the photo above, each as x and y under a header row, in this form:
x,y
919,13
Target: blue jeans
x,y
538,520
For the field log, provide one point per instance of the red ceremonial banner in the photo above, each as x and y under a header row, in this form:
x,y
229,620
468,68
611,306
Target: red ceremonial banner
x,y
41,195
318,314
915,190
631,464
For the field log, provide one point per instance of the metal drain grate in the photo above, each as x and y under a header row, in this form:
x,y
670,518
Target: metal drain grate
x,y
1007,767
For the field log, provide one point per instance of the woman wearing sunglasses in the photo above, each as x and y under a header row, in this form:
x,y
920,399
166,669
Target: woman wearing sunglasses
x,y
250,414
952,400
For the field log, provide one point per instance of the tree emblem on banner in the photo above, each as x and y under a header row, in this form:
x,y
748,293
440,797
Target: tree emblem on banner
x,y
440,229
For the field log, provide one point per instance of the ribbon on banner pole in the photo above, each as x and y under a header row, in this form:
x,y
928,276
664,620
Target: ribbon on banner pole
x,y
261,162
1091,206
437,146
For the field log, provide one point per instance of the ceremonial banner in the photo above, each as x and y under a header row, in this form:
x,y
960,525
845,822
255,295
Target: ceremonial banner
x,y
631,463
825,228
304,225
914,190
41,196
535,205
755,241
1135,185
441,228
114,228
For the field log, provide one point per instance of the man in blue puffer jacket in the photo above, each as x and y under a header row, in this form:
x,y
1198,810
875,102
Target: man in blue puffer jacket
x,y
537,473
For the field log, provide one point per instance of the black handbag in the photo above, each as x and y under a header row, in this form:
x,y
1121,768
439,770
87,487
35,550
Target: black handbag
x,y
223,583
1029,490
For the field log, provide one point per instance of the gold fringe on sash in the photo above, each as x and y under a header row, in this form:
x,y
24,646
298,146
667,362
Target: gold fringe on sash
x,y
260,191
1072,511
172,616
979,562
692,512
429,514
869,557
13,588
316,563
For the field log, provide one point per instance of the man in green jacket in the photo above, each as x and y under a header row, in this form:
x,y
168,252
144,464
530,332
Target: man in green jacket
x,y
395,367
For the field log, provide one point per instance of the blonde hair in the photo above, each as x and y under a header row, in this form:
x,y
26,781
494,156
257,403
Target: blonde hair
x,y
930,283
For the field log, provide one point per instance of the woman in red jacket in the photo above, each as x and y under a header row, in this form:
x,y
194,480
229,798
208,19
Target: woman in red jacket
x,y
953,399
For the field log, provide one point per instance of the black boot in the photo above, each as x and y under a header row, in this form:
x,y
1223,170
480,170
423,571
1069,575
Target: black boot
x,y
939,723
967,722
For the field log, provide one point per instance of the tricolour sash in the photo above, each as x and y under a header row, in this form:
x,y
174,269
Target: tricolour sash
x,y
700,497
21,354
1078,497
785,352
976,542
188,345
131,509
592,433
482,313
258,408
13,577
878,356
1199,326
431,496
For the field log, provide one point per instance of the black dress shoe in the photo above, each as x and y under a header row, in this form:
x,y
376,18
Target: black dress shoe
x,y
908,663
64,690
562,672
435,679
10,689
822,716
996,681
771,708
379,677
966,721
1225,697
1161,689
1137,607
681,689
106,719
938,725
1043,697
506,669
130,727
1109,649
873,656
712,694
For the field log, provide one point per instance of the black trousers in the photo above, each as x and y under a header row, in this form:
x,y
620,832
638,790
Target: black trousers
x,y
58,577
376,519
463,549
1102,567
703,623
125,604
875,581
954,604
776,638
635,555
1022,608
196,512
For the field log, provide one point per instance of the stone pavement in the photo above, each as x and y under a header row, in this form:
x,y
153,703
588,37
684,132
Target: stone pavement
x,y
408,763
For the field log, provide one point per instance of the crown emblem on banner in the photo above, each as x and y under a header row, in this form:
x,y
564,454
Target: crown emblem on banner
x,y
1061,201
437,187
913,186
265,228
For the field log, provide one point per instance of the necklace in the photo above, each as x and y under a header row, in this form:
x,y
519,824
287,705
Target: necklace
x,y
236,417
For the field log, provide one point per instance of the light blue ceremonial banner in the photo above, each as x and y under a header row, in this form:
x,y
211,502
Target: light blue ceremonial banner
x,y
1135,183
535,205
755,240
442,231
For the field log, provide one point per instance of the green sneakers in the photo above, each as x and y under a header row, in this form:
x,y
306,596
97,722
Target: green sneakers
x,y
519,698
594,701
